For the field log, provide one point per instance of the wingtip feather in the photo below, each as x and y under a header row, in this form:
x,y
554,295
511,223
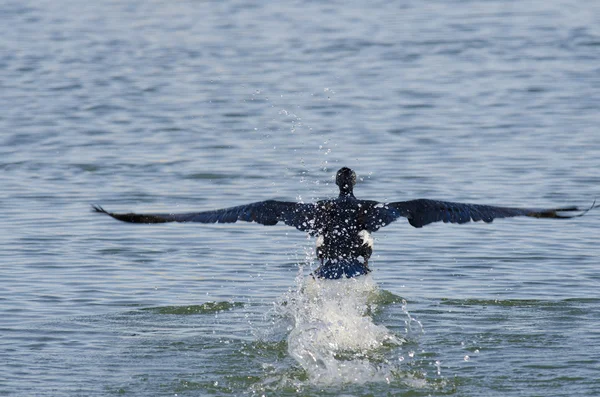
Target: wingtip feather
x,y
97,208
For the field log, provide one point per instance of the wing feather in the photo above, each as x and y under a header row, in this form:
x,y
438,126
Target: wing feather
x,y
270,212
422,212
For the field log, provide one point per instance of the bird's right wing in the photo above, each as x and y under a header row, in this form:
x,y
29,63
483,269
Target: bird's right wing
x,y
422,212
270,212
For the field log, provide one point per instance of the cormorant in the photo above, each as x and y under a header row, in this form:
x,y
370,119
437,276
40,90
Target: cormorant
x,y
343,225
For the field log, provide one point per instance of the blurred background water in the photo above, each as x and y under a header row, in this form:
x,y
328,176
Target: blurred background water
x,y
192,105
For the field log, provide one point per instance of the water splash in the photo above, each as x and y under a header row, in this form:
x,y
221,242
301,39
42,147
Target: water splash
x,y
328,330
333,336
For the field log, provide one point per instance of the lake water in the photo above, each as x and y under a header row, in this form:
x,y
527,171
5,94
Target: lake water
x,y
195,105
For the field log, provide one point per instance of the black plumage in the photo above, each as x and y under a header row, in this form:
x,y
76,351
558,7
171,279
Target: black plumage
x,y
340,221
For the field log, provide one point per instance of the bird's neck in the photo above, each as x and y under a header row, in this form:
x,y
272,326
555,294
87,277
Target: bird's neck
x,y
346,193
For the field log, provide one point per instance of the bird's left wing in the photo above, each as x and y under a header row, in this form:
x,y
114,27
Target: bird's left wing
x,y
270,212
422,212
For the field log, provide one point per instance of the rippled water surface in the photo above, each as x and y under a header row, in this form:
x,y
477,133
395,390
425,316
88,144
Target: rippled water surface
x,y
195,105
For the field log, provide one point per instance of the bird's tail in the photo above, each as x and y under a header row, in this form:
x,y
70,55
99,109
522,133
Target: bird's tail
x,y
335,269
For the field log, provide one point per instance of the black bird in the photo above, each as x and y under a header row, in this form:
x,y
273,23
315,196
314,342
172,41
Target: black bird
x,y
343,225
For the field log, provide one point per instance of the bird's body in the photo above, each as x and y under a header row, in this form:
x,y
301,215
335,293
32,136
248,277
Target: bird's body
x,y
343,237
343,225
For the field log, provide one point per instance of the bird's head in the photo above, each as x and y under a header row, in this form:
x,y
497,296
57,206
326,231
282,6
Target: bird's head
x,y
345,179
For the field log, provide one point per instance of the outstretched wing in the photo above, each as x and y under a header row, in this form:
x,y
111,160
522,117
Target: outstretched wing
x,y
301,216
422,212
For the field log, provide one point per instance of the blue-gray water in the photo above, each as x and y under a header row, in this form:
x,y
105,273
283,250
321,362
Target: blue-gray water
x,y
194,105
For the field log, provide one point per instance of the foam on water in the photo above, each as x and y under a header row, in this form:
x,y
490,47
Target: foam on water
x,y
334,337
